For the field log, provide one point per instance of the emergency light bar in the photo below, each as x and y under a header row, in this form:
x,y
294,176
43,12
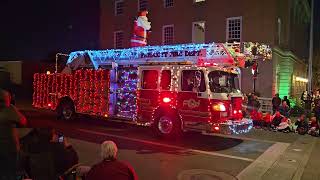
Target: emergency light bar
x,y
143,55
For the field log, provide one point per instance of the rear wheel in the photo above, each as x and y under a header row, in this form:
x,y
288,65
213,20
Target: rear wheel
x,y
66,111
166,126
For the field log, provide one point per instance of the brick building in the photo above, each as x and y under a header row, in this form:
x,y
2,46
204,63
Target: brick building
x,y
204,21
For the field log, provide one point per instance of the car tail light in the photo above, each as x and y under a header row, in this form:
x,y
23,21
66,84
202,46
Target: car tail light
x,y
166,100
219,107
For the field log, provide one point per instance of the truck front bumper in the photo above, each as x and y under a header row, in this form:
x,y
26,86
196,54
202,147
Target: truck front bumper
x,y
235,126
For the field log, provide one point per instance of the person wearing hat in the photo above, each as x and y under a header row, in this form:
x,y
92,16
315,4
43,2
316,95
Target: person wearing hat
x,y
10,118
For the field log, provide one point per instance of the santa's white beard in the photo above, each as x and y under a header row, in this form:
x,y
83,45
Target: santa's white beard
x,y
142,21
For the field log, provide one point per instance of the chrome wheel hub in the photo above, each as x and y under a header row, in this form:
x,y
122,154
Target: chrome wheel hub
x,y
165,125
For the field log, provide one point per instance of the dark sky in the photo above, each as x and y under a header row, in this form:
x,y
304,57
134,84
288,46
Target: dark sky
x,y
37,29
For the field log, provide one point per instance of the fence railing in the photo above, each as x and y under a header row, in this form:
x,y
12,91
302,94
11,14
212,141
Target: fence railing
x,y
266,104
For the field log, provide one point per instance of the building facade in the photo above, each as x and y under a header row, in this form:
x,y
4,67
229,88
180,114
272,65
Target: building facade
x,y
204,21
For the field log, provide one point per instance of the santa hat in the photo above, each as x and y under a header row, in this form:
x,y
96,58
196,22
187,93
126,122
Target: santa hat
x,y
143,13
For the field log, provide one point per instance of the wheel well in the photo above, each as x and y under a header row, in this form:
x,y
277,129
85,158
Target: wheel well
x,y
165,110
66,99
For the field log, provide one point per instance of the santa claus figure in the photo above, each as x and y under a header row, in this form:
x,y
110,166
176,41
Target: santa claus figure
x,y
141,29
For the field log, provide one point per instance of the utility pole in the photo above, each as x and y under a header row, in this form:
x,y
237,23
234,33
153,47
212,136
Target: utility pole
x,y
310,51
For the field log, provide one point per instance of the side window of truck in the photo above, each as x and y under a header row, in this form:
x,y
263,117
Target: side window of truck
x,y
193,80
165,80
149,79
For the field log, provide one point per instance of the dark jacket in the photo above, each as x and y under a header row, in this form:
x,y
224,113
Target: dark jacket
x,y
113,170
47,160
276,101
285,111
317,112
10,118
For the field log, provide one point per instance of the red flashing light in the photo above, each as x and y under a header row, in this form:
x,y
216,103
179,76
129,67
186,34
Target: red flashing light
x,y
216,128
234,111
49,104
166,100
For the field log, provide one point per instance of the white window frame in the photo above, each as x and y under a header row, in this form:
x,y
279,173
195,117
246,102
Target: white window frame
x,y
227,27
115,7
164,4
139,8
115,39
193,23
163,33
198,1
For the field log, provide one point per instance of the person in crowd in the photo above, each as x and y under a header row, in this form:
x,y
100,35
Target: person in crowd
x,y
284,109
256,104
276,120
301,125
257,119
110,167
314,127
307,99
276,102
284,126
316,111
267,121
10,118
316,97
49,154
285,98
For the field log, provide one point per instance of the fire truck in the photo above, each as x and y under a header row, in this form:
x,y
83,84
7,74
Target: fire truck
x,y
170,88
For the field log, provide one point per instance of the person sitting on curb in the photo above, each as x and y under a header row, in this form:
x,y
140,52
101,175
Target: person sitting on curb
x,y
276,120
301,125
284,126
314,127
110,167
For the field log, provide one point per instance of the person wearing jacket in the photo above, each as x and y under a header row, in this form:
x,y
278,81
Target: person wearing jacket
x,y
10,118
48,158
110,167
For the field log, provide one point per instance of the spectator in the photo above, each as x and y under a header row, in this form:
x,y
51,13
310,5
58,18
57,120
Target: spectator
x,y
256,104
301,125
307,99
276,102
284,109
9,142
314,127
317,111
285,98
317,98
284,126
276,120
110,167
48,158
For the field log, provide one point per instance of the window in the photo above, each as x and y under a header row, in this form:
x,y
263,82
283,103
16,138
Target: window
x,y
149,79
193,80
168,34
118,7
143,5
198,32
223,82
168,3
165,80
234,28
118,39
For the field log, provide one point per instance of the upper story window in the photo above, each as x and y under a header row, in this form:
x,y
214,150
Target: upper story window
x,y
168,3
118,39
234,29
168,34
118,7
143,5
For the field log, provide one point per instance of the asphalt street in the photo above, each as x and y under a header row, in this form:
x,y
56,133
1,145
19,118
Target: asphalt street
x,y
259,154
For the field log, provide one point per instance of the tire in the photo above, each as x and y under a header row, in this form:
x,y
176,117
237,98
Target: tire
x,y
66,111
167,126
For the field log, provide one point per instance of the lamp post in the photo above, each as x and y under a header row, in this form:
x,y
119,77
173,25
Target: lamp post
x,y
310,51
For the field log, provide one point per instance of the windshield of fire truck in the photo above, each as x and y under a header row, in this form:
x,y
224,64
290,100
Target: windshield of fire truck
x,y
223,82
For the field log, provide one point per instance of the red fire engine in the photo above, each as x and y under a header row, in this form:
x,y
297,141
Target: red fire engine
x,y
171,88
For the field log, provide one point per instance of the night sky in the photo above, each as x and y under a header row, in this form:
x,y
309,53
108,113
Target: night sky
x,y
37,29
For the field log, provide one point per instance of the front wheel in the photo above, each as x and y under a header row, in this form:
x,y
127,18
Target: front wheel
x,y
66,111
166,126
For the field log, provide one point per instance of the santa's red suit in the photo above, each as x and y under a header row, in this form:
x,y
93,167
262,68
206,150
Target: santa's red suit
x,y
141,27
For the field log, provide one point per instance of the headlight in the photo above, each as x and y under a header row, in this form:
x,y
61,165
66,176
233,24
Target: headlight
x,y
219,107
